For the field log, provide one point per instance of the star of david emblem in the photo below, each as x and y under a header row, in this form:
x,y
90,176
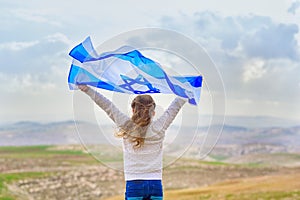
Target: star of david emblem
x,y
139,85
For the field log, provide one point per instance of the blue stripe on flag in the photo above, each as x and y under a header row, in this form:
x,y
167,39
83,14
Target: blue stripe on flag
x,y
88,79
79,53
145,64
194,81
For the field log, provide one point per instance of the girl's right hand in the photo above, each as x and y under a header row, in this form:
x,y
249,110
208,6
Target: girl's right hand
x,y
83,88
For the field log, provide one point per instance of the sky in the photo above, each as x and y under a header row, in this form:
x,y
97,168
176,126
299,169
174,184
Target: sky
x,y
254,45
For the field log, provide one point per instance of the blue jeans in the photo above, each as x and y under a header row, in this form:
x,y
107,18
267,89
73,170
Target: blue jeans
x,y
144,190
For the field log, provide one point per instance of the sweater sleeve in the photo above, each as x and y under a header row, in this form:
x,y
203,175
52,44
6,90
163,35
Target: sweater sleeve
x,y
111,110
163,122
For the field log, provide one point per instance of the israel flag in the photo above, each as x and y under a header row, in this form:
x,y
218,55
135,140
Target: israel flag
x,y
126,70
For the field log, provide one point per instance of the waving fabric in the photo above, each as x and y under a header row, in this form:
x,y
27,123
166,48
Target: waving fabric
x,y
126,70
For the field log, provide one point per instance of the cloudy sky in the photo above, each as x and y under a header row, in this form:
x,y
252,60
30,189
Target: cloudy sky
x,y
254,44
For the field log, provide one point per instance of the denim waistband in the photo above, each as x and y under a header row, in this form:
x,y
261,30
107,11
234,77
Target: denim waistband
x,y
143,181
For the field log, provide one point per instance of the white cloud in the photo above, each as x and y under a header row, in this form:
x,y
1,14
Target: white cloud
x,y
226,29
34,56
257,57
294,7
253,35
35,63
273,41
38,68
254,70
59,37
28,83
276,83
17,46
34,15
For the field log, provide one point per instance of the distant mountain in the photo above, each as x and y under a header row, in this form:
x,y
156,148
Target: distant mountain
x,y
54,133
232,141
249,121
260,121
289,137
259,145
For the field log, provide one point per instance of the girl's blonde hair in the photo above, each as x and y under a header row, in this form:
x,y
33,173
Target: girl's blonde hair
x,y
143,109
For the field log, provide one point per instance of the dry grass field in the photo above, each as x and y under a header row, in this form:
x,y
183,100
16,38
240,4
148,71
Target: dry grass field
x,y
261,187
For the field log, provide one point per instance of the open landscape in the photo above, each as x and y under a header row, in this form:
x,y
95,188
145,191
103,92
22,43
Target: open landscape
x,y
247,163
67,172
235,63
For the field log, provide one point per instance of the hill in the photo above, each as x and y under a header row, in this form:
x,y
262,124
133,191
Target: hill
x,y
68,172
235,144
54,133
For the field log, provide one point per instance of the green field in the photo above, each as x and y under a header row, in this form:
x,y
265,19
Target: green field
x,y
8,178
24,159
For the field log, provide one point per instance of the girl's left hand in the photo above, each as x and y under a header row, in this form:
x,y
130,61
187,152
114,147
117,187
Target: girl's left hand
x,y
83,88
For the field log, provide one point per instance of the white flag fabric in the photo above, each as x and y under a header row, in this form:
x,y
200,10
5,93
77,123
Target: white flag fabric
x,y
126,70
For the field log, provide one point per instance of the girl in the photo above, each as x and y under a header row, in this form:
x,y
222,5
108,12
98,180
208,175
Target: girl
x,y
142,142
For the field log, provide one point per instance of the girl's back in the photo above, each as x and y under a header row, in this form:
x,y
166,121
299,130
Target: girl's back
x,y
142,138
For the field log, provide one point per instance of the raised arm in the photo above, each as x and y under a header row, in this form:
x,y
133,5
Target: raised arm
x,y
111,110
164,121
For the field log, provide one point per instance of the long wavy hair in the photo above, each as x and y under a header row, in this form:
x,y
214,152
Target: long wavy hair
x,y
135,129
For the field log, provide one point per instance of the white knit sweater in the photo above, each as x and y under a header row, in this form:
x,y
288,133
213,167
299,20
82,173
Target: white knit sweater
x,y
144,163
